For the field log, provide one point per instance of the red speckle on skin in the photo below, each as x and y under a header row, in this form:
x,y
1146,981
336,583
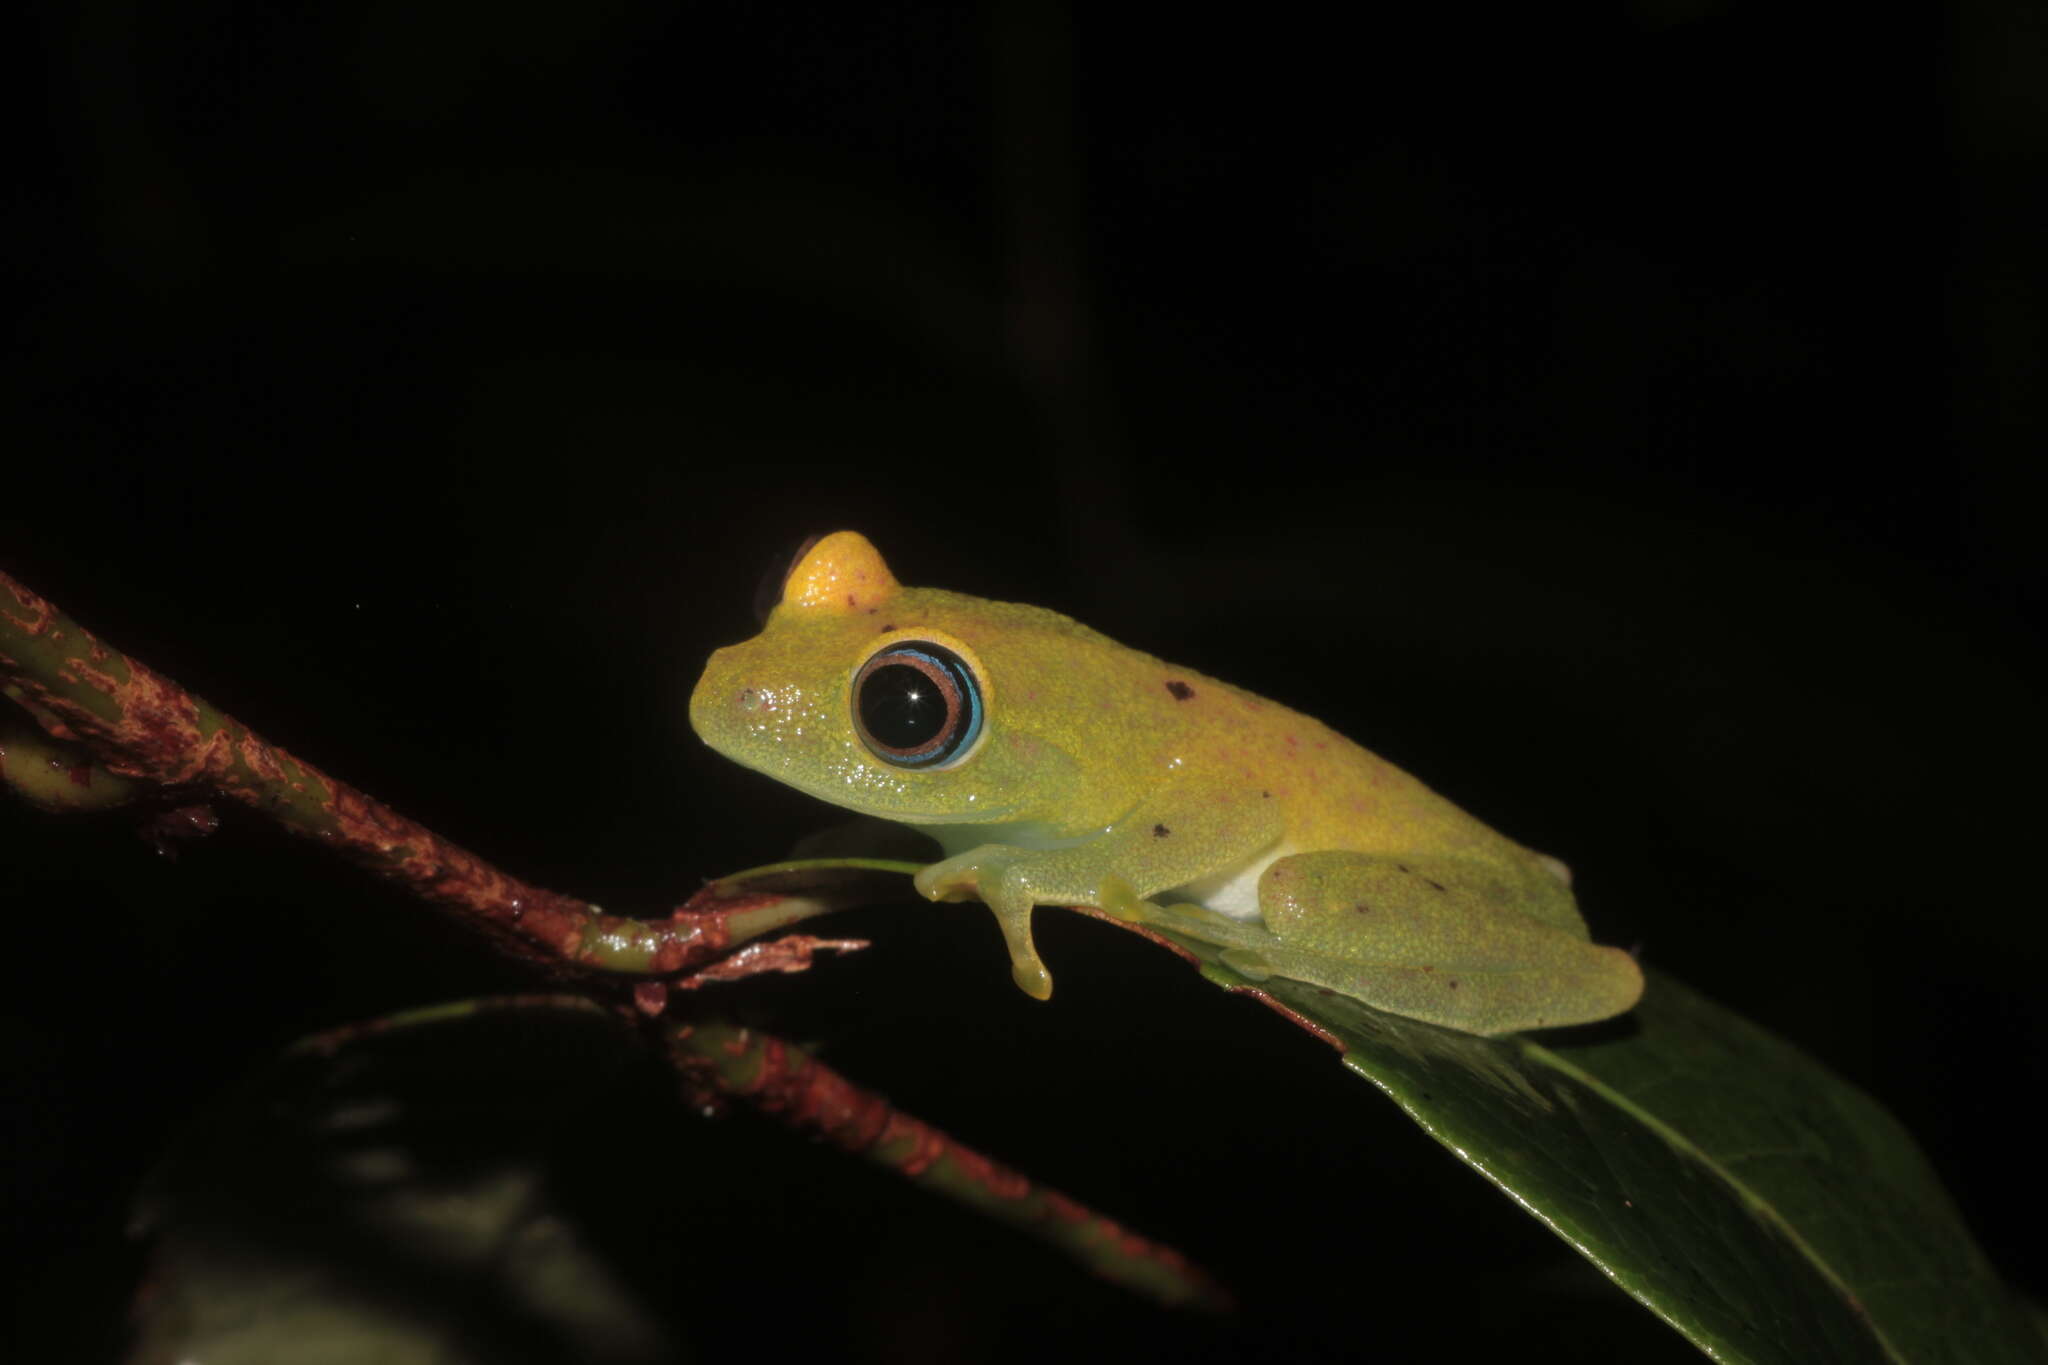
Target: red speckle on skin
x,y
650,998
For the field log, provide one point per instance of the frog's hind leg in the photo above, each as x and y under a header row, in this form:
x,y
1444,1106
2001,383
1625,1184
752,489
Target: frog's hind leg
x,y
1483,946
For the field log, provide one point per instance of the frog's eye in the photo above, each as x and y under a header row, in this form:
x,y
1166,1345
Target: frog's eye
x,y
917,704
768,592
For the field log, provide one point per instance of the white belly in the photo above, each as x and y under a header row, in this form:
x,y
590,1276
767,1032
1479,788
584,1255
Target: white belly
x,y
1233,891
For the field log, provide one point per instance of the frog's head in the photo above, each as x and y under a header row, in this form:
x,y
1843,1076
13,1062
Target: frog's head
x,y
879,698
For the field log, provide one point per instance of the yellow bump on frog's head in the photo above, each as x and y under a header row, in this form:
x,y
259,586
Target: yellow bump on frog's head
x,y
841,572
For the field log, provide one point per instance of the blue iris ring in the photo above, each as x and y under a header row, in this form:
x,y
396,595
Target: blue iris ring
x,y
917,705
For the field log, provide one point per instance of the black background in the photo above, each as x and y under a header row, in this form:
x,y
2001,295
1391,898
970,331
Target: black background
x,y
1626,416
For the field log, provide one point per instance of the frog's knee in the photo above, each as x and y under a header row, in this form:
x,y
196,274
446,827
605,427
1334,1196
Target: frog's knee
x,y
1295,886
1620,980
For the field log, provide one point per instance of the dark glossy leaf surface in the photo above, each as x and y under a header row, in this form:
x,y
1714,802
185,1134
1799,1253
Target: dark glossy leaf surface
x,y
1761,1205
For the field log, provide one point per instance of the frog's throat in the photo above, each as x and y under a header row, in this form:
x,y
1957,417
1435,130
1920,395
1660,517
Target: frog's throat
x,y
1234,891
956,837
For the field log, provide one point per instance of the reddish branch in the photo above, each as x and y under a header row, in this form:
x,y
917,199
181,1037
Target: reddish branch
x,y
139,726
786,1082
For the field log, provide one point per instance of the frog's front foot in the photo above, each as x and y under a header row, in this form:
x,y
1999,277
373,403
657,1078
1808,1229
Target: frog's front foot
x,y
994,876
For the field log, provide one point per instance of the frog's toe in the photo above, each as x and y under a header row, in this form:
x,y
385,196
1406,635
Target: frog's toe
x,y
1032,978
950,880
1013,917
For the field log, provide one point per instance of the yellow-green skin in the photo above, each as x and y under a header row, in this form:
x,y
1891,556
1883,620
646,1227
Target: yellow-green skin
x,y
1105,777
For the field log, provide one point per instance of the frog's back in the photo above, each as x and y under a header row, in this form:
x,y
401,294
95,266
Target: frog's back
x,y
1338,796
1142,721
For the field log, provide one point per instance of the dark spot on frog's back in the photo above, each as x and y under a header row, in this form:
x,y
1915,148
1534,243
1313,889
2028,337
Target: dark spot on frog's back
x,y
1160,831
886,629
1180,690
1431,883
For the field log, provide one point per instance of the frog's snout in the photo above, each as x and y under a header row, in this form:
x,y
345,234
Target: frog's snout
x,y
735,712
713,695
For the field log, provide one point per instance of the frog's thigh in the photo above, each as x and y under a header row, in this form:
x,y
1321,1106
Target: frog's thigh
x,y
1441,940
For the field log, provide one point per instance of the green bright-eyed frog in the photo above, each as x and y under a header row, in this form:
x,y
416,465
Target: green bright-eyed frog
x,y
1055,766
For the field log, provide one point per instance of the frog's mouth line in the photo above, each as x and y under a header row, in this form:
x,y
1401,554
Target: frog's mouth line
x,y
781,766
830,796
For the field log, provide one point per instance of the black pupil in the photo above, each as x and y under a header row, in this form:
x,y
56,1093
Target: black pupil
x,y
901,706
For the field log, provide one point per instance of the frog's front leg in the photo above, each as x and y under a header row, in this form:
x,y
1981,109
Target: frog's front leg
x,y
1010,880
1168,841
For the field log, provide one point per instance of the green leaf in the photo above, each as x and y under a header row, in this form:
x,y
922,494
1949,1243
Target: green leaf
x,y
1761,1205
1765,1208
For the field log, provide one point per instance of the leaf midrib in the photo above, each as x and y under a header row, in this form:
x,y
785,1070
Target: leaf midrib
x,y
1763,1209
